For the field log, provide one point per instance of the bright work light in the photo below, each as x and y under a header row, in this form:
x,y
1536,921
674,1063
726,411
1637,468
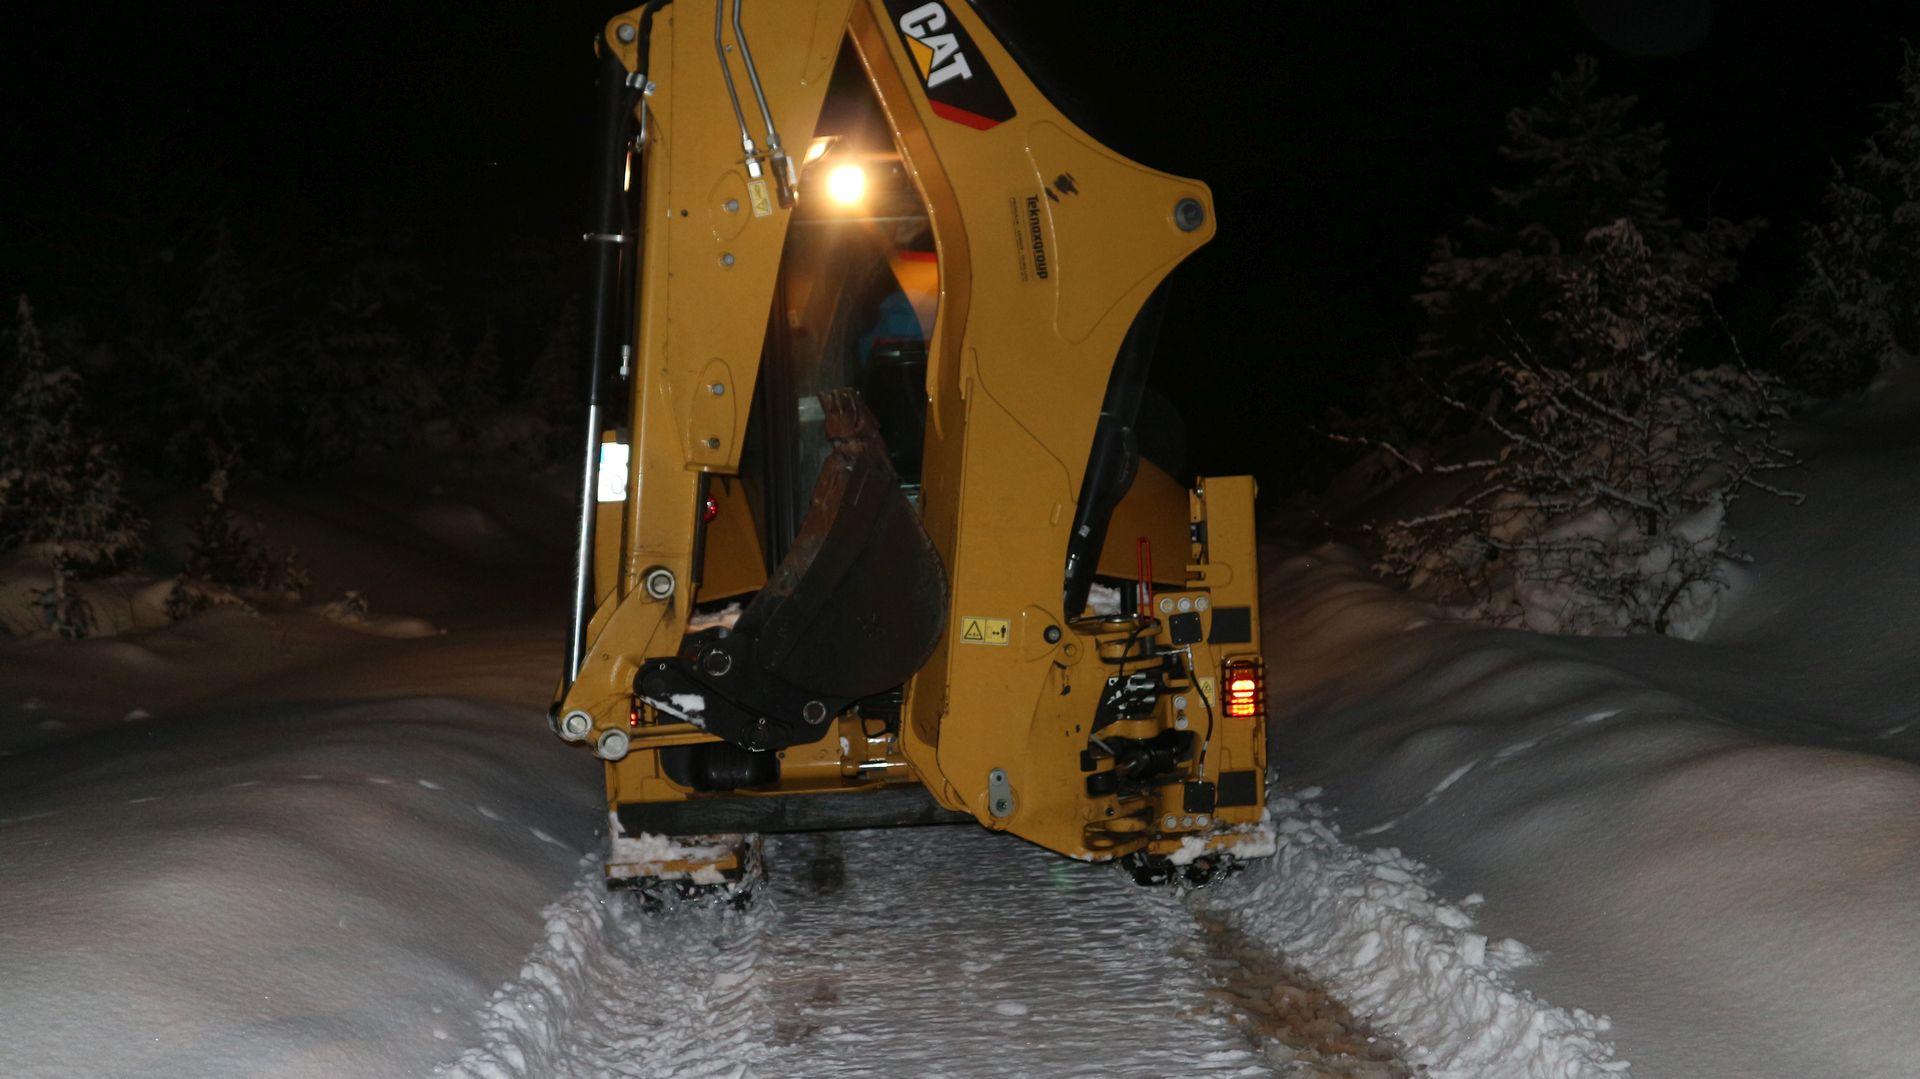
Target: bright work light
x,y
847,184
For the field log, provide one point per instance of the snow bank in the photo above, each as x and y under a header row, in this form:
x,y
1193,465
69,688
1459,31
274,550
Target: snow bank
x,y
1366,924
1714,841
270,844
276,890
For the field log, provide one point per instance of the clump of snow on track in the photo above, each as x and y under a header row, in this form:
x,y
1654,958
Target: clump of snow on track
x,y
1365,923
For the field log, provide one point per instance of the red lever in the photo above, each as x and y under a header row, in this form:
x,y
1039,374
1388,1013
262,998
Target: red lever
x,y
1143,594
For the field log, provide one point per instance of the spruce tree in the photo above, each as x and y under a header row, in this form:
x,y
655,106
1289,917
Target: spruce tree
x,y
60,484
1856,311
1582,165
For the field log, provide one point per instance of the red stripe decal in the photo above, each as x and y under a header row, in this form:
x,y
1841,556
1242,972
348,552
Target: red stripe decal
x,y
961,116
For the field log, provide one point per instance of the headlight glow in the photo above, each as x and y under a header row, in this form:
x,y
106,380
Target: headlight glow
x,y
847,184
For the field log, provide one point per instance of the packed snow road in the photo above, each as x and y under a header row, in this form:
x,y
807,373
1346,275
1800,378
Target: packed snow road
x,y
280,845
943,951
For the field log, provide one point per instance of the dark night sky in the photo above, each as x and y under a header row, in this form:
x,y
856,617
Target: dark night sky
x,y
1339,140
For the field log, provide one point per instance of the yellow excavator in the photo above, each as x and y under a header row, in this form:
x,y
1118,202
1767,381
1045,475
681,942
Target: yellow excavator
x,y
866,536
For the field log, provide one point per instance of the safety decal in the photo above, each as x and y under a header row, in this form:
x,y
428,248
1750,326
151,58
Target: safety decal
x,y
985,630
757,195
1030,226
960,86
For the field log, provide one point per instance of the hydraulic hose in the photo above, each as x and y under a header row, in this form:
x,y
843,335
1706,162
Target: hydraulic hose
x,y
1115,456
619,93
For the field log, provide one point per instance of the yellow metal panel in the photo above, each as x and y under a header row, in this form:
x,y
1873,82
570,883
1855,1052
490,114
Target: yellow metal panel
x,y
1155,507
1048,244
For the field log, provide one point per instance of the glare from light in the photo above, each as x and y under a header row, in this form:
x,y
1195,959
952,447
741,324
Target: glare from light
x,y
847,184
818,148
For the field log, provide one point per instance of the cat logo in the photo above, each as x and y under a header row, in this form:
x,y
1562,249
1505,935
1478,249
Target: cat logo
x,y
937,56
960,86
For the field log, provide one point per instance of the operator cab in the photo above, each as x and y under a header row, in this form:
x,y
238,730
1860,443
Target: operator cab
x,y
853,308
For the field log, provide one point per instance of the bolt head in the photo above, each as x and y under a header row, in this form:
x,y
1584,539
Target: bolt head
x,y
575,725
1052,634
726,259
625,32
716,662
613,744
1189,215
1169,822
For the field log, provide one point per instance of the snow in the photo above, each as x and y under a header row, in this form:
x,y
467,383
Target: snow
x,y
270,843
1366,923
1713,841
723,618
245,845
933,951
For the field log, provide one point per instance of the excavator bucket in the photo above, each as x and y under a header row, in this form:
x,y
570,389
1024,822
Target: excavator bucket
x,y
860,599
866,535
852,611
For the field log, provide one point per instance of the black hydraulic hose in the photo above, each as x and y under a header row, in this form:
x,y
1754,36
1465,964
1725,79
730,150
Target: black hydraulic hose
x,y
1115,455
619,93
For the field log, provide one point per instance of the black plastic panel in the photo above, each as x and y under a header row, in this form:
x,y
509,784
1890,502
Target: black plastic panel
x,y
892,807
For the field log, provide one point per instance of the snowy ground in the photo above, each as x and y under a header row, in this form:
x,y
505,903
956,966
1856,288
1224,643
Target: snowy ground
x,y
284,846
1712,842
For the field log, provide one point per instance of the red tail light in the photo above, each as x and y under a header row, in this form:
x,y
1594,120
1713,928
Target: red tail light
x,y
1246,689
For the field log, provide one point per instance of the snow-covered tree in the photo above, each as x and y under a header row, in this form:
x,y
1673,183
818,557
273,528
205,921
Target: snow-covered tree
x,y
553,381
215,379
1601,508
1856,311
355,384
227,555
1581,163
60,482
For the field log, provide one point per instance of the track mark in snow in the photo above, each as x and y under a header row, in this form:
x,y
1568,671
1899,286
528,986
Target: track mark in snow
x,y
933,951
487,813
1293,1020
1364,924
613,991
950,951
958,952
428,784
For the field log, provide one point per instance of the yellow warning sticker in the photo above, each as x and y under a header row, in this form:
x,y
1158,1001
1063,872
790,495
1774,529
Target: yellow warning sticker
x,y
985,630
757,195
